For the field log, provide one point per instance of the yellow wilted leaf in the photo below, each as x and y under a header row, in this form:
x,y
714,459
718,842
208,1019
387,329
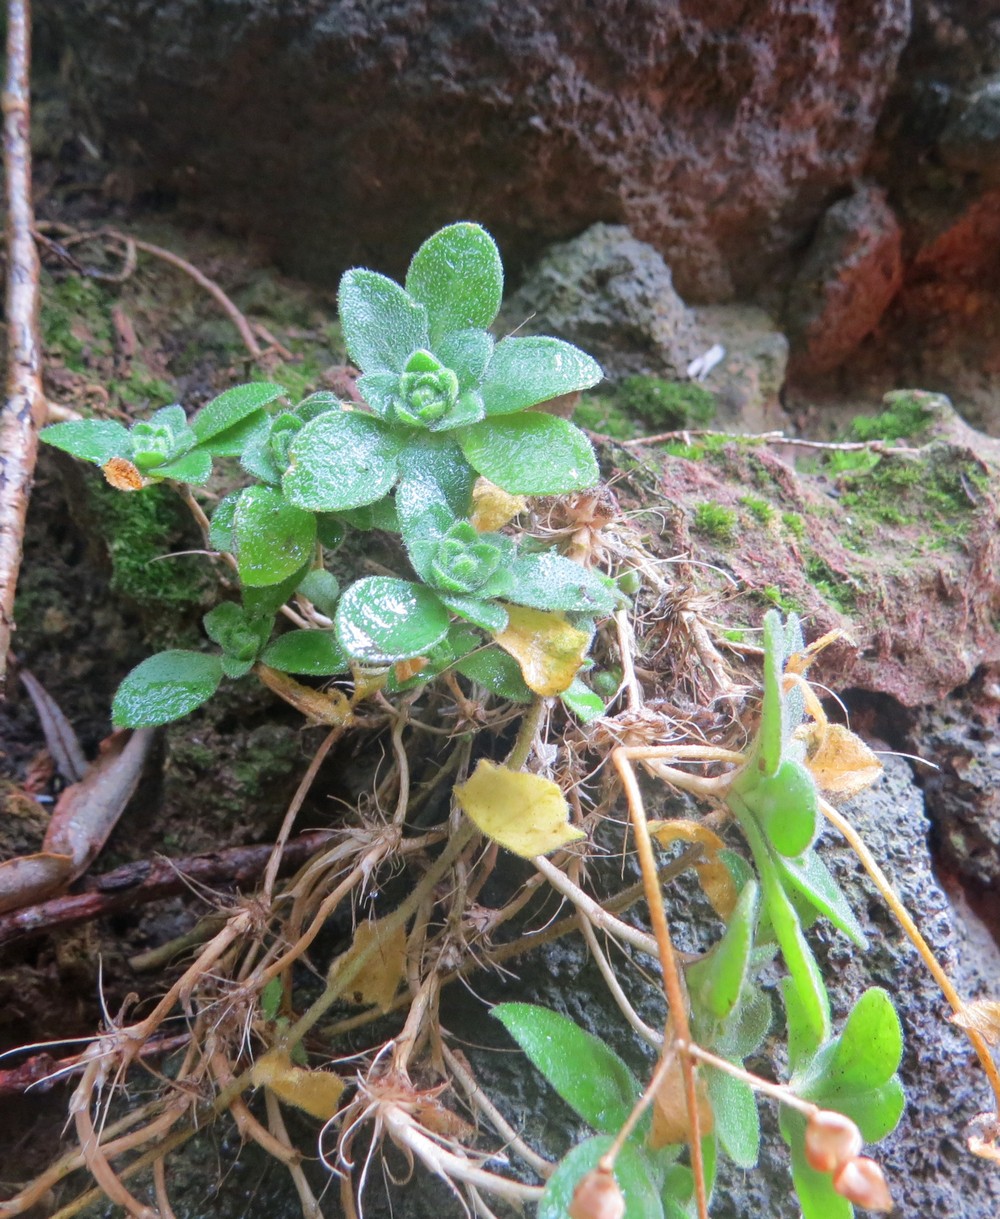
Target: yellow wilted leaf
x,y
982,1016
670,1115
524,813
840,762
322,706
493,508
549,650
315,1092
378,981
713,875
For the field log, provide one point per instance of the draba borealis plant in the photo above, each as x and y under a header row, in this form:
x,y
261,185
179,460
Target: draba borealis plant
x,y
438,457
445,403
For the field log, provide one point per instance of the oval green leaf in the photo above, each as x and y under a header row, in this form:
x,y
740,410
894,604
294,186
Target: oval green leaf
x,y
381,620
342,459
315,652
165,687
458,276
632,1172
737,1119
273,538
524,372
233,407
382,324
551,582
96,440
587,1074
531,454
787,806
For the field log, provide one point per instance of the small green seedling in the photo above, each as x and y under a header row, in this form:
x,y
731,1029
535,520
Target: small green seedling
x,y
445,404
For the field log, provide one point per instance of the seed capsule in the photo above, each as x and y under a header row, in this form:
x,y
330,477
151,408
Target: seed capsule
x,y
860,1181
597,1196
831,1140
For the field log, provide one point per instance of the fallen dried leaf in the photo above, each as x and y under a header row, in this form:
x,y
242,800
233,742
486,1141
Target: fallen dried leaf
x,y
549,650
522,812
713,875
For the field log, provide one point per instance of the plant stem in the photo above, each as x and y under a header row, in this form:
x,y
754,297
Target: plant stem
x,y
884,886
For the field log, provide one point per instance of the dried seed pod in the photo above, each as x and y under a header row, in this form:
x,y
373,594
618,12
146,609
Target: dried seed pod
x,y
861,1181
123,475
831,1140
597,1196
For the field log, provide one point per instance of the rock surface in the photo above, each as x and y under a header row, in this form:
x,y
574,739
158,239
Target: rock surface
x,y
613,296
345,132
853,269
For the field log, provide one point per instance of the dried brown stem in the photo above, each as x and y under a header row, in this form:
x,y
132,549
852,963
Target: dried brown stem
x,y
25,408
147,880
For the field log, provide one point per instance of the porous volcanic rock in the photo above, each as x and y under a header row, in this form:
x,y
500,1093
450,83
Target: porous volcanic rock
x,y
850,274
341,132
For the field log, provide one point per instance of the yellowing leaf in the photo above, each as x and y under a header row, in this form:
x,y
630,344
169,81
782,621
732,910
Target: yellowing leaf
x,y
315,1092
321,706
981,1016
549,650
713,875
493,508
841,763
378,981
524,813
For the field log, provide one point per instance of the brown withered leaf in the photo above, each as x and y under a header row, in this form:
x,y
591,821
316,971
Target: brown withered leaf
x,y
321,706
123,475
840,762
670,1114
713,875
315,1092
982,1016
383,973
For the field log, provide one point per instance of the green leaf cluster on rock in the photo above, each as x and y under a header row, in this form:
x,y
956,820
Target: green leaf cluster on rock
x,y
444,404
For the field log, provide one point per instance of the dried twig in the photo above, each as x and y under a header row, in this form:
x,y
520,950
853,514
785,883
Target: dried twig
x,y
25,407
147,880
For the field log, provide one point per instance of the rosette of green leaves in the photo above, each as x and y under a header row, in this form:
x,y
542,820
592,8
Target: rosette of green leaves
x,y
166,445
437,382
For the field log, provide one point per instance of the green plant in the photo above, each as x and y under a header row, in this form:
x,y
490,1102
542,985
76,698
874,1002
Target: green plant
x,y
842,1088
445,404
716,521
667,404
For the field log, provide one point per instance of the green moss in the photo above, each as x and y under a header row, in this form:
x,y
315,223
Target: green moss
x,y
774,596
898,491
140,529
716,521
830,586
699,449
602,414
667,404
906,416
74,319
849,461
794,523
761,511
734,634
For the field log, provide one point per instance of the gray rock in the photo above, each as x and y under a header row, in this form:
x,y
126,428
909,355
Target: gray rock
x,y
342,132
748,380
971,142
614,297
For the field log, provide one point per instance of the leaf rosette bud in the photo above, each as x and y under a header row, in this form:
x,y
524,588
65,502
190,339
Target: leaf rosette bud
x,y
464,560
427,392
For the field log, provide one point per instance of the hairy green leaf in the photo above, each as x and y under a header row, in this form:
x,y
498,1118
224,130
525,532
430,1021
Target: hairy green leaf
x,y
381,619
342,459
632,1172
524,372
382,324
531,454
96,440
165,687
233,407
587,1074
318,653
273,538
457,275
